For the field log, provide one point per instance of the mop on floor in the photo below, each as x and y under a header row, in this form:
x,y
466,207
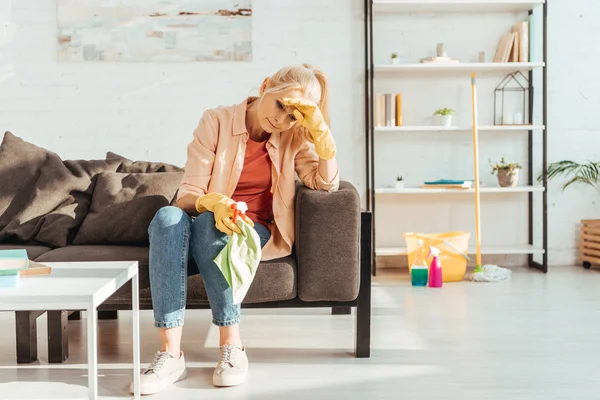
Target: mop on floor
x,y
488,272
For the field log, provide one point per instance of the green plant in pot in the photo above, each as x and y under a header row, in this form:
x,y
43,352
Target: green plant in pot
x,y
508,173
446,115
587,174
399,182
584,174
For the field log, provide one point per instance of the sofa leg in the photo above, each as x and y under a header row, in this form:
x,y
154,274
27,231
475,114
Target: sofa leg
x,y
341,310
363,306
74,315
108,314
58,338
26,332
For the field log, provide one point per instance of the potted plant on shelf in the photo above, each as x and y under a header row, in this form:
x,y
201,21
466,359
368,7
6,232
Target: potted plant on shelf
x,y
587,174
508,173
394,58
399,183
446,116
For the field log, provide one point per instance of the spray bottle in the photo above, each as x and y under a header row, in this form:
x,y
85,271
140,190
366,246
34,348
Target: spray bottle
x,y
435,269
239,208
418,269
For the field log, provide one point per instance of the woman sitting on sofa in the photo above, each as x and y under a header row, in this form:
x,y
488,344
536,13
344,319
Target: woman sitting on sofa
x,y
248,152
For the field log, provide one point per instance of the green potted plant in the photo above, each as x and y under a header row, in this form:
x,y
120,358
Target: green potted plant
x,y
584,174
446,116
394,58
587,174
399,183
508,173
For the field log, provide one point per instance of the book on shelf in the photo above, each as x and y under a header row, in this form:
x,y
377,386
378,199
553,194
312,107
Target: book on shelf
x,y
513,46
387,109
448,184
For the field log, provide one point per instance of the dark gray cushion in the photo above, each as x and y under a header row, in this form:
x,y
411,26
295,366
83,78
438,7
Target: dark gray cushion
x,y
327,243
129,166
123,205
274,281
42,198
33,250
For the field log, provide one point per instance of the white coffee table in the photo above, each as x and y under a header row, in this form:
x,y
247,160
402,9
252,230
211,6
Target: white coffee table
x,y
80,286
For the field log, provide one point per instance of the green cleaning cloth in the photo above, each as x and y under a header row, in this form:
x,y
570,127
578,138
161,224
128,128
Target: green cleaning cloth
x,y
238,261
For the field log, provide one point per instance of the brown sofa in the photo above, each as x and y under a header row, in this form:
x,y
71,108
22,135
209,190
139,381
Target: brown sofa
x,y
99,210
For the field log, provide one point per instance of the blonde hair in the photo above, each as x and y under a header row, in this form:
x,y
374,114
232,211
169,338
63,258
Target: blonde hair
x,y
311,80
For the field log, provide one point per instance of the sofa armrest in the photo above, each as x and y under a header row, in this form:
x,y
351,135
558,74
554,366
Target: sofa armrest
x,y
327,243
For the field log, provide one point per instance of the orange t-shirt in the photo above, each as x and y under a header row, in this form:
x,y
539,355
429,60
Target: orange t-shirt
x,y
254,185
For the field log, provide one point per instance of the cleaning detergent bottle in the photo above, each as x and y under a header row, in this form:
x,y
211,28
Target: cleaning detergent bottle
x,y
435,269
418,269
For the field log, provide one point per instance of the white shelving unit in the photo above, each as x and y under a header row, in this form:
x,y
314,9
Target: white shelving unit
x,y
481,128
460,67
460,6
440,9
417,190
487,250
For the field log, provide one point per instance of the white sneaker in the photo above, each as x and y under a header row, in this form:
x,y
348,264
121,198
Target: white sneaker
x,y
233,367
162,372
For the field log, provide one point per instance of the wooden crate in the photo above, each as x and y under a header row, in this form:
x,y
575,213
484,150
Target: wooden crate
x,y
590,242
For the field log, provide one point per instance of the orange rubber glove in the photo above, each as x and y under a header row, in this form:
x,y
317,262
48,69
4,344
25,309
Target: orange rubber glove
x,y
220,205
309,116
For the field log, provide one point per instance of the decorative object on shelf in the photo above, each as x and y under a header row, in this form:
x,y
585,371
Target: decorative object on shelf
x,y
508,173
441,50
446,116
441,56
399,182
481,58
587,174
510,100
394,58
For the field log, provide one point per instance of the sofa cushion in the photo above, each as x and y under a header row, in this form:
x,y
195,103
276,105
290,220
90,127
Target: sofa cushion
x,y
42,198
275,280
123,205
129,166
33,250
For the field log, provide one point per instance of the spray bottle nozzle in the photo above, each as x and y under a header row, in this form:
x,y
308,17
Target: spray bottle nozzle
x,y
433,251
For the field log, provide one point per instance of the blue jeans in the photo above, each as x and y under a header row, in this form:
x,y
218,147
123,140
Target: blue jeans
x,y
175,238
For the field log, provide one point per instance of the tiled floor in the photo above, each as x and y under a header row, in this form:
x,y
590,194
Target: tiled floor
x,y
535,337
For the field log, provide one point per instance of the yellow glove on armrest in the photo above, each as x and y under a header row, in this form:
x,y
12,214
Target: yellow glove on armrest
x,y
220,206
309,116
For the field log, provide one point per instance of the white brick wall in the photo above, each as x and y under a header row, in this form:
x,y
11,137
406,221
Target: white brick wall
x,y
573,106
148,111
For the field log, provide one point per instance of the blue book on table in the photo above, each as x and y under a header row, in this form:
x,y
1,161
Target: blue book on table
x,y
13,261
